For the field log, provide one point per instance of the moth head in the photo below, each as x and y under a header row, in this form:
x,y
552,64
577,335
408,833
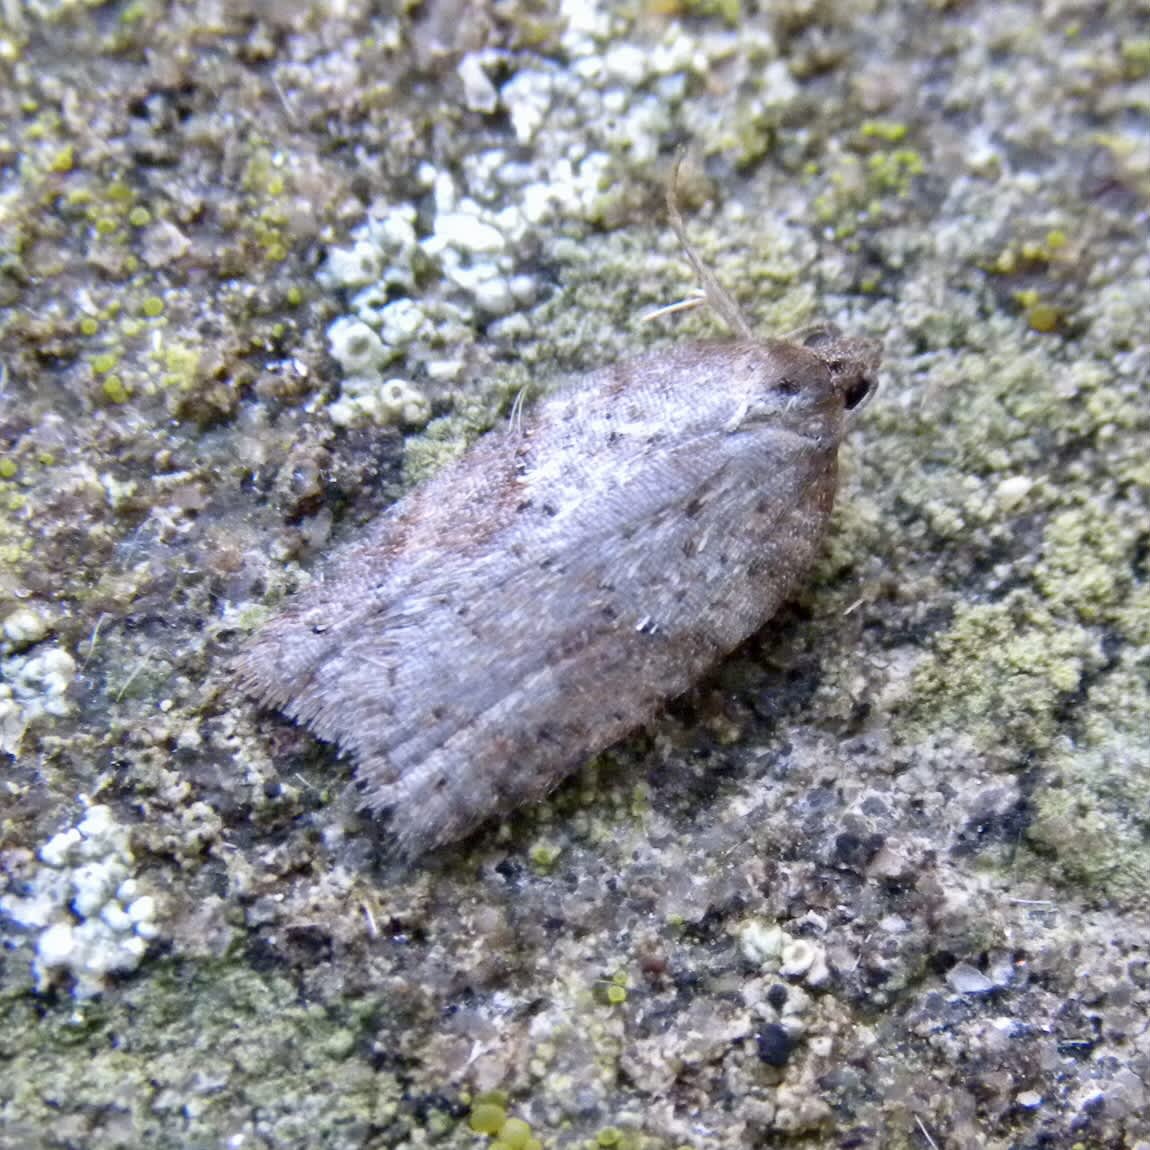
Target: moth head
x,y
818,375
853,362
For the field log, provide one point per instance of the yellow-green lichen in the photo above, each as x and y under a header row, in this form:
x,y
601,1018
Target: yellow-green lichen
x,y
889,131
544,855
730,11
514,1134
181,365
114,390
857,187
1090,820
1133,617
1136,57
63,160
136,11
894,171
1085,563
612,991
445,439
1000,673
487,1118
1043,317
182,1014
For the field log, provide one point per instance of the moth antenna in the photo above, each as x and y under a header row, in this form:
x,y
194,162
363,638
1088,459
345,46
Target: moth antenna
x,y
515,416
720,302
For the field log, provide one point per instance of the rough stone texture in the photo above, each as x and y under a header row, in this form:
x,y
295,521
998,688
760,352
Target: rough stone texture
x,y
882,880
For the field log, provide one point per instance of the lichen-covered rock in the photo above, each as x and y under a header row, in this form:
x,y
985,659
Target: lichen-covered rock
x,y
931,770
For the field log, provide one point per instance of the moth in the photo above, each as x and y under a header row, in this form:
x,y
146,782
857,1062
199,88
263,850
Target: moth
x,y
552,589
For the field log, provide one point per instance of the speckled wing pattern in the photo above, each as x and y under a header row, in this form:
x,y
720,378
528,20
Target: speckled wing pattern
x,y
548,592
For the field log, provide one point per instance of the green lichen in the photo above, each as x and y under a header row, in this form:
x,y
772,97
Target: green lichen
x,y
135,12
888,131
487,1118
181,366
447,438
514,1134
614,1138
281,1057
114,390
1136,57
1000,673
1044,317
893,171
1085,565
1091,819
1132,618
63,160
544,855
612,991
858,190
730,11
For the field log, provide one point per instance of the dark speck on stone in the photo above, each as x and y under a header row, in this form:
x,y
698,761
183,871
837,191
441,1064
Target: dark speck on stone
x,y
854,851
774,1044
777,996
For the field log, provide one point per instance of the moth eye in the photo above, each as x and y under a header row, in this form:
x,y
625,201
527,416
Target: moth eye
x,y
856,393
788,386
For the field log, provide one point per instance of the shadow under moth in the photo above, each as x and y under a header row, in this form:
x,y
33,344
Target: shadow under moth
x,y
549,591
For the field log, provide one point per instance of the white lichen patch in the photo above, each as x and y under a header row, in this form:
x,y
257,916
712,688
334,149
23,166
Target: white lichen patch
x,y
356,347
11,721
423,284
24,627
401,323
91,916
32,686
382,402
479,92
357,266
760,942
773,950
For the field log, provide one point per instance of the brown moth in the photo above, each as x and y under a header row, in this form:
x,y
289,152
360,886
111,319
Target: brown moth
x,y
548,592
